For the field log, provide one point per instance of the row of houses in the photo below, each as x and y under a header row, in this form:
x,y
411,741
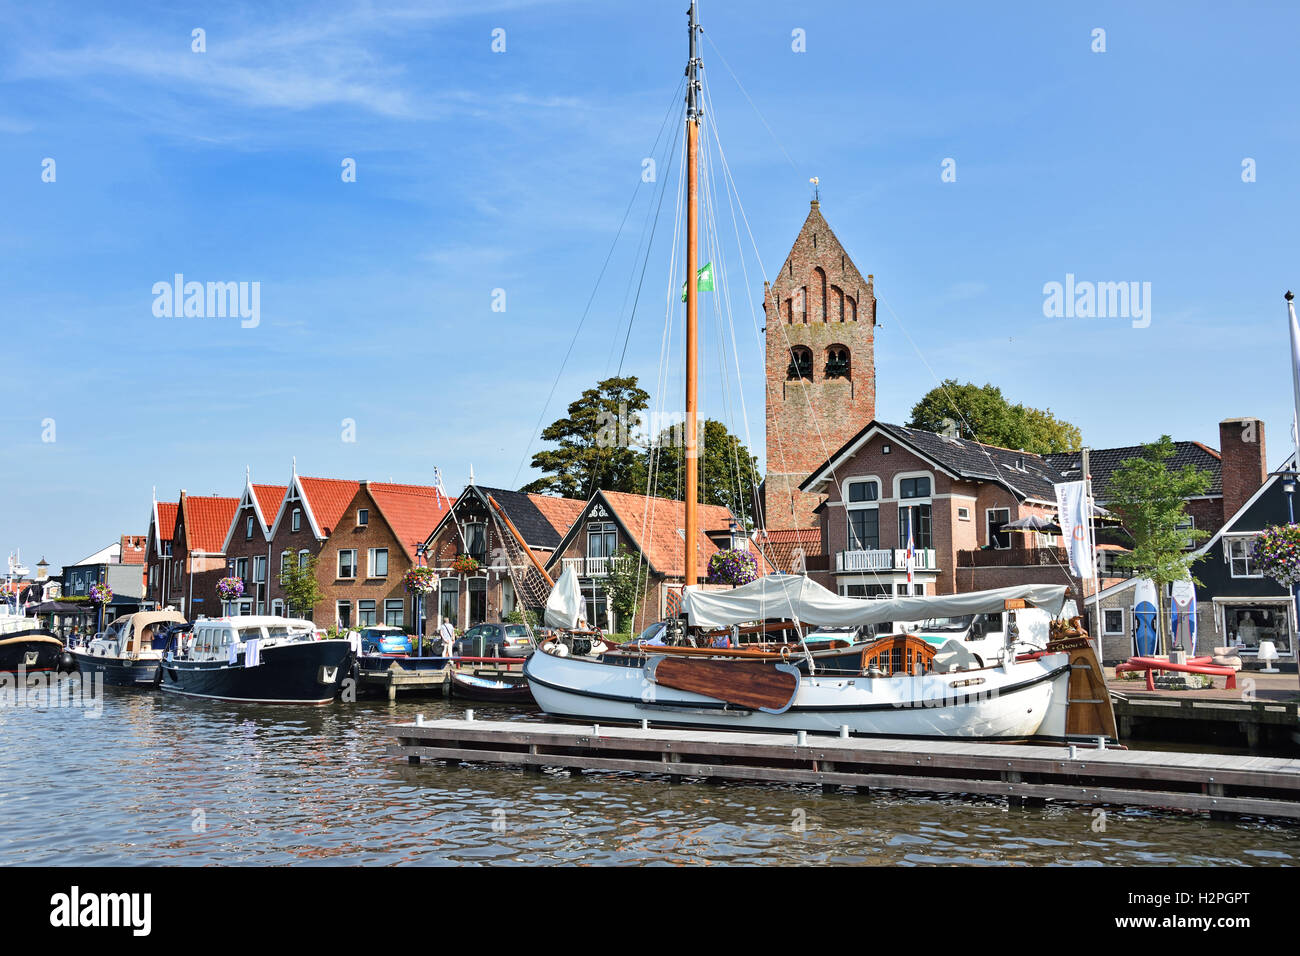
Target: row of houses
x,y
952,497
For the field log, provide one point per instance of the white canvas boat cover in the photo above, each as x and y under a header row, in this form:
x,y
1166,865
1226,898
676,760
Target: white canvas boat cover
x,y
565,607
795,597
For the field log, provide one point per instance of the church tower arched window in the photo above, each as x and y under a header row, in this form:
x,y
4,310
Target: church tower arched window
x,y
838,364
801,363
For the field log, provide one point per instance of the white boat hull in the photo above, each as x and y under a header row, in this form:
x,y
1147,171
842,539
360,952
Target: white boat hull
x,y
1028,699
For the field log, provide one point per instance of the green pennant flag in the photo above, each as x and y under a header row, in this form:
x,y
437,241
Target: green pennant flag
x,y
703,280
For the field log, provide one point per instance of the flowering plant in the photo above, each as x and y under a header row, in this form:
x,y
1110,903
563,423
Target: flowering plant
x,y
732,566
464,564
230,588
420,580
100,594
1277,553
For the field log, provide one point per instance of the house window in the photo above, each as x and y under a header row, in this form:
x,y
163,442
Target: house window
x,y
477,601
476,541
864,529
277,607
963,514
449,600
863,491
378,563
285,558
365,613
347,563
864,592
997,538
259,569
507,598
801,363
837,362
394,611
304,557
343,614
297,519
914,487
1240,559
1249,625
917,519
601,539
248,527
241,568
363,517
1112,620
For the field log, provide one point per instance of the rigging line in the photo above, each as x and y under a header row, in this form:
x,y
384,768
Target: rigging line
x,y
578,331
757,111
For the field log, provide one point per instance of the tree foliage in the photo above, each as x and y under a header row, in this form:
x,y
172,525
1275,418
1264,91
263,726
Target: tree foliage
x,y
626,586
594,447
1150,500
982,413
729,474
301,592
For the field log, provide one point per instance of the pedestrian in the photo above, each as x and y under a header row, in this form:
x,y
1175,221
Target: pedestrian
x,y
448,635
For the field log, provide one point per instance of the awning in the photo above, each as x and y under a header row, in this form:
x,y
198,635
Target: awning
x,y
795,597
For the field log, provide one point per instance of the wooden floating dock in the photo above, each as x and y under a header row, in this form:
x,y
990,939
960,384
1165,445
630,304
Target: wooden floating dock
x,y
425,675
1221,785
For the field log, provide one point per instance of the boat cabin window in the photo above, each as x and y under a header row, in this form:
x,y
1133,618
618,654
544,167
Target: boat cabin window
x,y
250,634
946,625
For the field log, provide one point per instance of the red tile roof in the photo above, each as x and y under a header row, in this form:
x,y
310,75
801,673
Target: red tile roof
x,y
412,511
269,498
166,528
781,547
559,512
207,521
133,546
327,498
653,524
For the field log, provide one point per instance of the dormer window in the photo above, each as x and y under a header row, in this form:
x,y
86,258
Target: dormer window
x,y
837,362
363,517
801,363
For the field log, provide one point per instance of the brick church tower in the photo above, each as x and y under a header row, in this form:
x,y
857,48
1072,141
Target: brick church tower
x,y
821,366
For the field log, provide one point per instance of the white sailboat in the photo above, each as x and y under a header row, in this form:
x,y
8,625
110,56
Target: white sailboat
x,y
905,687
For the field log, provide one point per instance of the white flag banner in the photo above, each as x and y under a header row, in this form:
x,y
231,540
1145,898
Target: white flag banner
x,y
1295,353
1072,506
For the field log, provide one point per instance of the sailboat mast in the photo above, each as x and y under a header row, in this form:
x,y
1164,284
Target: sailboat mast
x,y
693,113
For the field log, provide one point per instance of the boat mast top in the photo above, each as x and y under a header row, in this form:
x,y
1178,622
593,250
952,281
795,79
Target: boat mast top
x,y
694,111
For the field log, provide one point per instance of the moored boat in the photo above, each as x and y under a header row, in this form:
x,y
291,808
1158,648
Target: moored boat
x,y
129,652
259,659
27,646
503,688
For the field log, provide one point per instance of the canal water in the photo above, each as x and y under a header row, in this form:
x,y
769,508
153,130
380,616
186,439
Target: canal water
x,y
156,779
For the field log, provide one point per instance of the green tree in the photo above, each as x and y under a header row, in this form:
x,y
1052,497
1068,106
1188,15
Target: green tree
x,y
1150,500
729,474
626,586
982,413
595,442
301,592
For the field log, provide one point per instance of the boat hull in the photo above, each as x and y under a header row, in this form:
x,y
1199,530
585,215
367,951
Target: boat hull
x,y
307,672
512,690
34,650
120,671
1025,700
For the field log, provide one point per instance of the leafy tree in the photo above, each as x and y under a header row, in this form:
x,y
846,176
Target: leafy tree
x,y
982,413
729,474
626,586
301,592
596,449
1150,499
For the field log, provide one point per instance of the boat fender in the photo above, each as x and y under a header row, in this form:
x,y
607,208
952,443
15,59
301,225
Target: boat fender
x,y
560,650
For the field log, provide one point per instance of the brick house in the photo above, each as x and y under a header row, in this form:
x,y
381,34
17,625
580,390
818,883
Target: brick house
x,y
374,542
820,366
198,559
954,495
161,579
247,545
309,511
651,529
470,527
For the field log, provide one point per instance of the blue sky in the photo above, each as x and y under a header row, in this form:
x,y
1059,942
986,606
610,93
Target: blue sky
x,y
479,170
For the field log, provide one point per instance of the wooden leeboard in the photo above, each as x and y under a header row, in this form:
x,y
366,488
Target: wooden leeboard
x,y
1089,712
746,684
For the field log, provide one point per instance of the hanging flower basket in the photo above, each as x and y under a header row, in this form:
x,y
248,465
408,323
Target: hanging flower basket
x,y
464,564
421,581
1277,553
230,588
732,566
100,594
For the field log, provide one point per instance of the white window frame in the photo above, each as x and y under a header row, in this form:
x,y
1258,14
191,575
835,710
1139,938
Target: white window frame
x,y
1246,539
400,608
374,610
963,513
296,521
303,557
360,512
352,618
370,563
277,607
248,528
1123,622
338,569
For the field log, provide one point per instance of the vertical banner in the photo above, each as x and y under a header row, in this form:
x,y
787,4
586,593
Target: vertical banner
x,y
1072,507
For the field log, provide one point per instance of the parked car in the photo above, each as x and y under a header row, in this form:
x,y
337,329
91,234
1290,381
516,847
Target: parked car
x,y
495,640
384,639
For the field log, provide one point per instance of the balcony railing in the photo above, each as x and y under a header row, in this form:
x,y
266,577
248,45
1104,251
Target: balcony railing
x,y
1012,558
588,567
894,559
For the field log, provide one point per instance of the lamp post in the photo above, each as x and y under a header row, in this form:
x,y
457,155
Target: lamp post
x,y
417,602
1288,486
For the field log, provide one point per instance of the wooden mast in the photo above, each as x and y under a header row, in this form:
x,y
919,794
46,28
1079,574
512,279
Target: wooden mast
x,y
693,113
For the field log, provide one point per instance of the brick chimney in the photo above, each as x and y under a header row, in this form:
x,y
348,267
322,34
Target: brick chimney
x,y
1245,466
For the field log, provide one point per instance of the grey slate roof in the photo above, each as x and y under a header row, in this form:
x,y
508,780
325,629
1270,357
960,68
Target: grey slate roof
x,y
1027,474
1103,462
536,531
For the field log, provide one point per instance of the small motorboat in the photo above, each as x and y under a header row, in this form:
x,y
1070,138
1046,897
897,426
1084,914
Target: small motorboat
x,y
129,652
257,658
504,688
26,646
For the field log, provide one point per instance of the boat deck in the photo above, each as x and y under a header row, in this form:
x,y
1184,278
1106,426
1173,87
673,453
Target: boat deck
x,y
1218,784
